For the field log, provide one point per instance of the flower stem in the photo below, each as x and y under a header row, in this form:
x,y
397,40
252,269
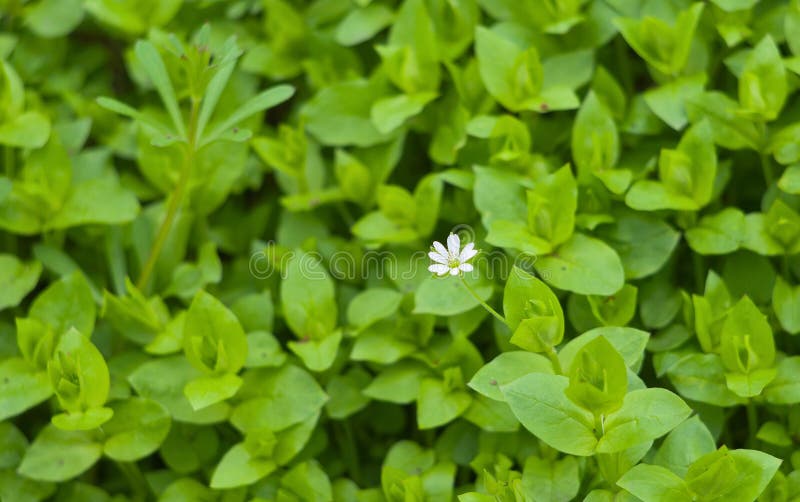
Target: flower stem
x,y
175,201
483,303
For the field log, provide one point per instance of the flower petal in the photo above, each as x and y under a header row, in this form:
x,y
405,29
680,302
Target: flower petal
x,y
466,267
438,269
440,248
453,245
468,252
454,271
438,257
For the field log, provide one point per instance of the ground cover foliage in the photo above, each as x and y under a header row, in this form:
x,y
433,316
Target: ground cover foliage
x,y
215,227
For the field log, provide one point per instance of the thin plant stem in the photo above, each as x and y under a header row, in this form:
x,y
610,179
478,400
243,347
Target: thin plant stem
x,y
766,167
551,354
175,201
8,162
483,303
752,423
349,450
136,479
699,272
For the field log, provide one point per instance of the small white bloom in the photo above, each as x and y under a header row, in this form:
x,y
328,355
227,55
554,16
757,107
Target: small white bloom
x,y
452,259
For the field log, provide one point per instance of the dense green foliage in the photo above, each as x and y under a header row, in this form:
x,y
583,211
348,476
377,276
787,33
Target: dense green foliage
x,y
215,226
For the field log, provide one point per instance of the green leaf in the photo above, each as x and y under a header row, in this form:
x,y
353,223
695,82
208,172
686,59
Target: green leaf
x,y
511,75
213,341
188,447
746,341
629,342
308,481
136,430
66,303
22,386
134,316
644,243
730,130
212,94
163,380
533,312
617,309
598,378
184,490
758,238
664,47
447,296
263,350
372,305
499,195
362,24
239,468
686,175
686,443
719,233
153,65
645,414
57,455
17,279
506,368
595,140
82,420
652,483
750,384
762,84
786,303
80,379
398,383
307,298
790,180
701,377
556,480
491,415
551,206
774,433
28,130
54,18
516,235
583,265
283,397
438,405
345,391
785,387
318,355
668,100
736,475
96,201
208,390
391,112
15,445
258,103
539,402
339,114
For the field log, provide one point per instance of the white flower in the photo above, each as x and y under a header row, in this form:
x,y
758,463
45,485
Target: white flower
x,y
453,259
